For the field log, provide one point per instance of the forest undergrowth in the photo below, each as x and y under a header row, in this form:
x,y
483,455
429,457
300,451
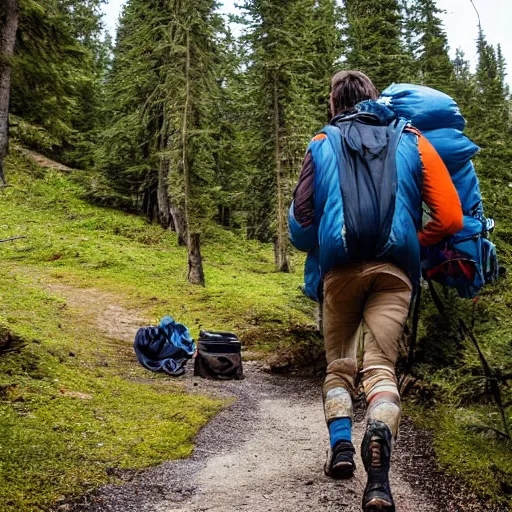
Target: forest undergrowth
x,y
453,397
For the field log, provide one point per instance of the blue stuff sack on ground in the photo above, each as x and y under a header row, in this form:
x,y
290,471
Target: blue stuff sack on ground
x,y
166,347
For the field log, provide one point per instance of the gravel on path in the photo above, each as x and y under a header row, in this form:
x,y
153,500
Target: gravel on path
x,y
266,453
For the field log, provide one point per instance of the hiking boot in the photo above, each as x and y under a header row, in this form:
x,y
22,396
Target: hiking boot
x,y
340,465
376,454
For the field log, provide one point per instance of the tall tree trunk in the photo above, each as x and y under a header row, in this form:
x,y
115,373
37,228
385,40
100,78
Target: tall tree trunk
x,y
195,273
8,29
180,224
280,246
164,207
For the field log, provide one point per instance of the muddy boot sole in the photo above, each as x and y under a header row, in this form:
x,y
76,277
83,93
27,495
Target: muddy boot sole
x,y
342,471
376,504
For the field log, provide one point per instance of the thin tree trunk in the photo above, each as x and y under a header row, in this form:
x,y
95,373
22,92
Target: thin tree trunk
x,y
164,207
150,202
180,224
195,261
280,247
224,216
195,273
165,217
8,29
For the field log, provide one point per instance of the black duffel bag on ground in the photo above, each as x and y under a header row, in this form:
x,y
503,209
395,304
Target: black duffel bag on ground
x,y
219,356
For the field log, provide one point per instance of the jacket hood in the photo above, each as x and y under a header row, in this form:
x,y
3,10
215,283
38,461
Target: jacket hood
x,y
368,112
368,135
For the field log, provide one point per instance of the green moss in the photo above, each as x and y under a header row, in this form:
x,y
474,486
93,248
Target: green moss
x,y
89,246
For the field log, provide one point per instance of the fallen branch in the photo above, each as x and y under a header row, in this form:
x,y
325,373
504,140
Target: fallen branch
x,y
412,335
493,383
483,428
12,239
437,301
14,349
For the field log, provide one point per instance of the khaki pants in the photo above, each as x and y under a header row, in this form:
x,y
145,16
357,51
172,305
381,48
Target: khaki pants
x,y
370,300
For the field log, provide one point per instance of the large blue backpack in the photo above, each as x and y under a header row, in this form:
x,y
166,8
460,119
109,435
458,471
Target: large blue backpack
x,y
467,260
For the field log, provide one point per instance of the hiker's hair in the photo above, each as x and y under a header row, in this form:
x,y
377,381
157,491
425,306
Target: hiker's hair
x,y
348,88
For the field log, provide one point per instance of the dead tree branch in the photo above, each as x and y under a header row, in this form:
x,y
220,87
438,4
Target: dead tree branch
x,y
12,239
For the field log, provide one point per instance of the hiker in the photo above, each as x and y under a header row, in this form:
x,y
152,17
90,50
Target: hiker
x,y
357,210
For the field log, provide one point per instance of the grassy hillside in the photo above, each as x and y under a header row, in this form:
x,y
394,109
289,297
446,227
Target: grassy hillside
x,y
74,403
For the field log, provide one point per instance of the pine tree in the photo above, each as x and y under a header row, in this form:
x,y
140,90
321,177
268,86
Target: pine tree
x,y
429,45
86,27
489,123
373,41
232,152
286,81
409,38
491,99
327,51
56,74
191,91
163,95
464,83
127,154
502,71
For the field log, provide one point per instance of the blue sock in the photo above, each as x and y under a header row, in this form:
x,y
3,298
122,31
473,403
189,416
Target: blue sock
x,y
340,429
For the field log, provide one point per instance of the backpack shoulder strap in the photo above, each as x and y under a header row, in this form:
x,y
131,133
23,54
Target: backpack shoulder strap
x,y
334,136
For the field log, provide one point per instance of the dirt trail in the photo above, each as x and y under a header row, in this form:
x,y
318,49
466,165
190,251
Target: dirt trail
x,y
100,309
264,453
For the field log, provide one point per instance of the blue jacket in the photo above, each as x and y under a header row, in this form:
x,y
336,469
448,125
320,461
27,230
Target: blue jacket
x,y
360,209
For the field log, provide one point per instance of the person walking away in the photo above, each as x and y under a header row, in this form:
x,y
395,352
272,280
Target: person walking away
x,y
357,211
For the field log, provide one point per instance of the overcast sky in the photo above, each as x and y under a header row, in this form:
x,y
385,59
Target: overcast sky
x,y
460,20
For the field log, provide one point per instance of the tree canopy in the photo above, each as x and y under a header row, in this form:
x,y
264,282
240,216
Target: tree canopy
x,y
189,124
